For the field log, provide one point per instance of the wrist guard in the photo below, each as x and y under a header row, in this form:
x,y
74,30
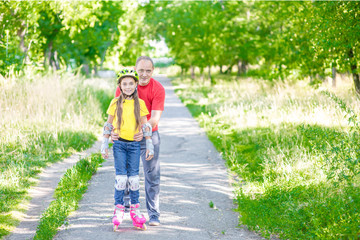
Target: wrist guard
x,y
104,145
150,146
147,133
110,126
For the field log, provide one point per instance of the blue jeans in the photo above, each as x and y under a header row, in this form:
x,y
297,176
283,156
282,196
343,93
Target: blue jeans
x,y
126,161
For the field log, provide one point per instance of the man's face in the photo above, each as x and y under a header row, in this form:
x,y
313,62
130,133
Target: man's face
x,y
145,70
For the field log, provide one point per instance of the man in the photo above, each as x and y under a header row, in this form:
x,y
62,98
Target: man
x,y
153,93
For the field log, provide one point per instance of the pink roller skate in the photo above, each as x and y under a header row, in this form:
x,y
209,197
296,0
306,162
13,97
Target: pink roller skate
x,y
138,219
118,216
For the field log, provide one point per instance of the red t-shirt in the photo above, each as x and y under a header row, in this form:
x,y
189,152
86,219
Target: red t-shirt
x,y
153,95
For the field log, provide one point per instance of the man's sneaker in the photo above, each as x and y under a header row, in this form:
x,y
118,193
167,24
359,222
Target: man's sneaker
x,y
154,221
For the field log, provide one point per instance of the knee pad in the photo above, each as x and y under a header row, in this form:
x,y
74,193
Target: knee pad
x,y
120,182
134,182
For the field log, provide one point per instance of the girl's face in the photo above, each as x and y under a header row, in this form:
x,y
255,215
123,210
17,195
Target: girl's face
x,y
128,85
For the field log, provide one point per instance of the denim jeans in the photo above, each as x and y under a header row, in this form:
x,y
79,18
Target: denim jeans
x,y
126,161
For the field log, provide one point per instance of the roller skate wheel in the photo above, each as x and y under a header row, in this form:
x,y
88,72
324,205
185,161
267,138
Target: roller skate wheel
x,y
143,227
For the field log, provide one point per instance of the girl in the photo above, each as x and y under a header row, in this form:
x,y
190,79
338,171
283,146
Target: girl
x,y
127,113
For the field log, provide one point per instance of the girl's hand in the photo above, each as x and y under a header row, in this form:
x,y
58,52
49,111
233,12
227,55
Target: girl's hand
x,y
105,147
148,157
106,154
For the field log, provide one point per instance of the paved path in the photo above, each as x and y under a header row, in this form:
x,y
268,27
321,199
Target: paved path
x,y
192,175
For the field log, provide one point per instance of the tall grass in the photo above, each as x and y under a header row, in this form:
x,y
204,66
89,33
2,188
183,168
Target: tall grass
x,y
295,149
43,120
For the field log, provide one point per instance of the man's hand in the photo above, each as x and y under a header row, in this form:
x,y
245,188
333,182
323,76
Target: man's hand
x,y
138,136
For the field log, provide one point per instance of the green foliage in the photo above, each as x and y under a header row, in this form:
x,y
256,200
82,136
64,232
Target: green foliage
x,y
93,30
302,212
68,193
52,122
57,34
189,29
272,39
299,172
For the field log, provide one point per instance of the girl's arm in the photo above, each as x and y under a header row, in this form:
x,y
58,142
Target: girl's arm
x,y
106,134
149,145
143,121
106,128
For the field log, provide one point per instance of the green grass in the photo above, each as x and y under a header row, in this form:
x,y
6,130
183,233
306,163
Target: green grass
x,y
295,149
67,196
44,119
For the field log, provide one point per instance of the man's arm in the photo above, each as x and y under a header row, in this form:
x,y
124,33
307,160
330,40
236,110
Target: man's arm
x,y
155,118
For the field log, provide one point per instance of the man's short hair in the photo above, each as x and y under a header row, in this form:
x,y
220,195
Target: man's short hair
x,y
144,58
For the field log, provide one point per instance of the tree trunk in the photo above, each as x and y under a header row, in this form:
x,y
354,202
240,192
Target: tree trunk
x,y
239,68
7,42
53,62
95,70
103,55
242,67
212,82
320,77
221,69
49,54
86,69
202,74
192,72
356,81
209,72
355,75
280,71
21,33
333,77
228,71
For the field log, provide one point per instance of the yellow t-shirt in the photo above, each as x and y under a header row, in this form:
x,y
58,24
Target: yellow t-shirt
x,y
127,128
